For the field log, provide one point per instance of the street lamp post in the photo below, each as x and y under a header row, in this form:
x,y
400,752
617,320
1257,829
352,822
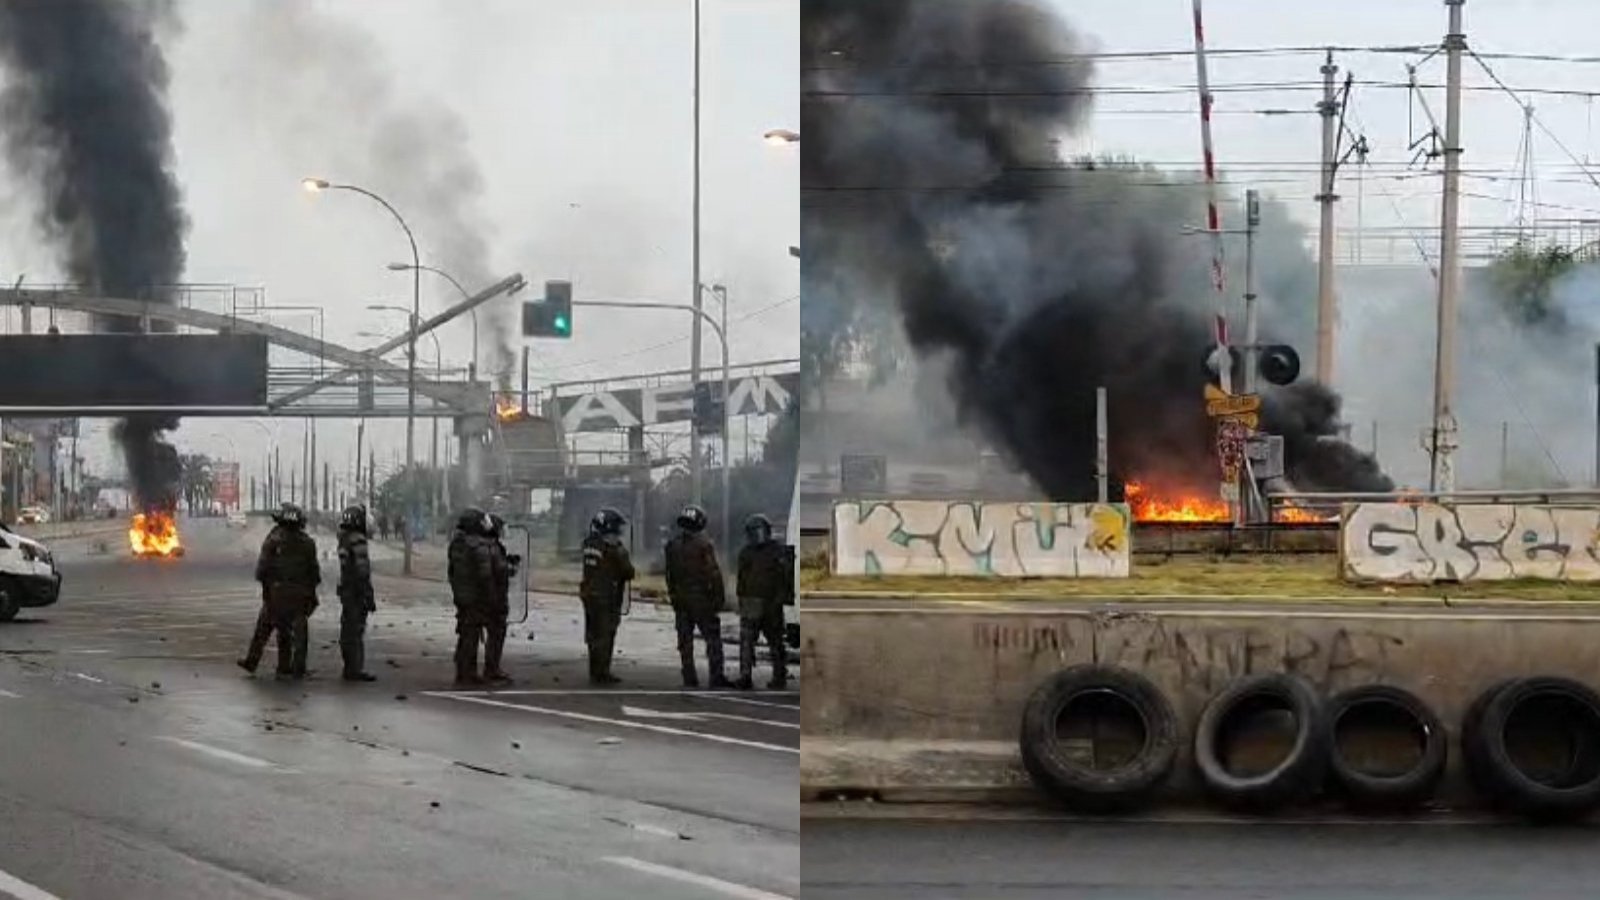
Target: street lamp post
x,y
315,185
694,343
438,376
472,370
727,458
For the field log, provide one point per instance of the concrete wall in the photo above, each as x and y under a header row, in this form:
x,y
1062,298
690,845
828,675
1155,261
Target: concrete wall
x,y
926,702
938,537
1403,542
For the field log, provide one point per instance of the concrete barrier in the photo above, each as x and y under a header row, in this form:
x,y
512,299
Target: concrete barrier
x,y
925,702
937,537
1424,542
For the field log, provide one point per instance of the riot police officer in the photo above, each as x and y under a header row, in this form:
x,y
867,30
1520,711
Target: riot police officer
x,y
764,584
472,586
289,575
606,573
697,592
505,566
356,599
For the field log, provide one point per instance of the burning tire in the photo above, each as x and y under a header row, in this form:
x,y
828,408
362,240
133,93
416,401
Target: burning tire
x,y
1532,747
1370,730
1099,738
1240,775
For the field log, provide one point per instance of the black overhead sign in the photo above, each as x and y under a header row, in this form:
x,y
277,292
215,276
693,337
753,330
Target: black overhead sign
x,y
608,410
161,371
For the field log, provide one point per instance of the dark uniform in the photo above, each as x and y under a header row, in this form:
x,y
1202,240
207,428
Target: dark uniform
x,y
504,566
356,598
765,583
472,586
606,573
698,594
289,575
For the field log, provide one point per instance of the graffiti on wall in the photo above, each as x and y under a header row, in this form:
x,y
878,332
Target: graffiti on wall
x,y
1426,542
1014,540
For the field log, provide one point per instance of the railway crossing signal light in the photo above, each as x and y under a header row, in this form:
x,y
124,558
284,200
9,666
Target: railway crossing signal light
x,y
1279,364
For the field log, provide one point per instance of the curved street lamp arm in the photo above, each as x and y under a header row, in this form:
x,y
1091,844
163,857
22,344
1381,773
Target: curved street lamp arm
x,y
416,259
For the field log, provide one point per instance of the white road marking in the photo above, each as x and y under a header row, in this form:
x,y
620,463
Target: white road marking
x,y
726,888
582,692
90,678
641,713
13,886
6,693
86,652
748,702
621,723
220,753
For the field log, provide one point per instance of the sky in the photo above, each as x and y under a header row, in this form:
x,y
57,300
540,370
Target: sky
x,y
1539,399
545,138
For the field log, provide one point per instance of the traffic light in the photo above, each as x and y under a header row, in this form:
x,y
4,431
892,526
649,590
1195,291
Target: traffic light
x,y
551,316
708,408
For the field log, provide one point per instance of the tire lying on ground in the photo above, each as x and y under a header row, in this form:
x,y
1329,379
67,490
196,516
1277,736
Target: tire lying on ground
x,y
1368,727
1532,747
1294,772
1099,738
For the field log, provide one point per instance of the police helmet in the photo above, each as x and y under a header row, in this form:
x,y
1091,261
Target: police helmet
x,y
693,518
472,521
758,528
354,518
290,515
607,521
497,525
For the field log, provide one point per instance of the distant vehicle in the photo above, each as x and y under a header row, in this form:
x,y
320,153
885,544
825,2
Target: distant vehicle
x,y
33,515
237,519
28,574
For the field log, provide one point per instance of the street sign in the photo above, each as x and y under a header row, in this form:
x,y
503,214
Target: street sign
x,y
225,484
1233,405
1265,452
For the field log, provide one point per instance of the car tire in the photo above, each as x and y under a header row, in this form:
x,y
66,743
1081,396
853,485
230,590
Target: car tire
x,y
1504,783
1370,790
10,600
1086,787
1292,779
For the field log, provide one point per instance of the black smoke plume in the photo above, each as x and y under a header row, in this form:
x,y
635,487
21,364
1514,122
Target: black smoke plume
x,y
932,181
85,120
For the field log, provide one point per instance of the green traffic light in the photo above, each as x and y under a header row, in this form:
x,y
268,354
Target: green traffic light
x,y
561,324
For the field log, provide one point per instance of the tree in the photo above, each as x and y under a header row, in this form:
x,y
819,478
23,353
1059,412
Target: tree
x,y
195,484
1524,279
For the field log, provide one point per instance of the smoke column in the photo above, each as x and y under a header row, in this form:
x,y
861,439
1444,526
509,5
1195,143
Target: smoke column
x,y
1030,280
331,79
86,122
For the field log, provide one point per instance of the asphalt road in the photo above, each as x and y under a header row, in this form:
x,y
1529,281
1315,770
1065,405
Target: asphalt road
x,y
878,859
136,761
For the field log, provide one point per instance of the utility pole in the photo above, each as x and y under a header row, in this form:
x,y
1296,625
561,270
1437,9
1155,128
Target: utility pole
x,y
361,436
1252,219
695,462
1326,313
1442,477
1102,465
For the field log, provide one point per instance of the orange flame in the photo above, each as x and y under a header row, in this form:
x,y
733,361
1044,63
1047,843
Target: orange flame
x,y
1182,508
507,409
1301,514
154,534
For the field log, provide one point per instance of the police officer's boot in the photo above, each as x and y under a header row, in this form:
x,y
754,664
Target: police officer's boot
x,y
493,650
467,657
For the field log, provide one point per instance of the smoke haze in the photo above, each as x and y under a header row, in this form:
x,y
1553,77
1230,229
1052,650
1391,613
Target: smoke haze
x,y
86,121
1032,280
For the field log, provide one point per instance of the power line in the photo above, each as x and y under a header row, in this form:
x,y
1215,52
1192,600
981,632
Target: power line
x,y
1536,120
664,344
843,64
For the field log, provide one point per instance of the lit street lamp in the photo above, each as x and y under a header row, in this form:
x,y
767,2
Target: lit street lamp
x,y
317,185
472,371
780,137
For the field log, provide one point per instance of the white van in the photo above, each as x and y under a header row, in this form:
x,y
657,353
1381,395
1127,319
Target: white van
x,y
28,574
